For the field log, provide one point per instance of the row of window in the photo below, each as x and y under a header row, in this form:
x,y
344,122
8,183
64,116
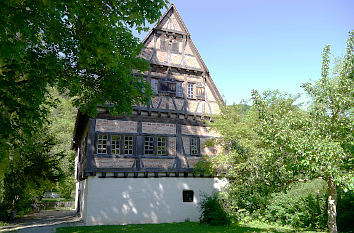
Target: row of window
x,y
176,89
153,145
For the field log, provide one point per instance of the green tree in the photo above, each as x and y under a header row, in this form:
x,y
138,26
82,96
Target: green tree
x,y
61,125
32,170
277,142
85,48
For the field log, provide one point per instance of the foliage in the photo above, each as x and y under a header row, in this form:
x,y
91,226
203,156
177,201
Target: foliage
x,y
277,143
33,171
345,211
187,227
303,205
85,48
61,124
212,211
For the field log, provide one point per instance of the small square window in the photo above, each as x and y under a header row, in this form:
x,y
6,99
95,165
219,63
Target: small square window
x,y
188,195
102,144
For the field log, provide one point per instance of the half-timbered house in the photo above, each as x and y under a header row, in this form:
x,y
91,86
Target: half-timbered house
x,y
139,168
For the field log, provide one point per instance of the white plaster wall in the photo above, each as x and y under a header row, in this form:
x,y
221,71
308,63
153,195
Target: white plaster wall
x,y
144,200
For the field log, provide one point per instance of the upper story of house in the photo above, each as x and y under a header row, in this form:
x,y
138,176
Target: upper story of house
x,y
178,75
167,135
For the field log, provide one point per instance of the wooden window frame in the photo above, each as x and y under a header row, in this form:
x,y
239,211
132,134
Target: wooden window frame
x,y
157,146
188,196
179,89
169,87
153,145
113,144
190,90
200,93
191,146
163,44
155,85
175,46
106,144
124,145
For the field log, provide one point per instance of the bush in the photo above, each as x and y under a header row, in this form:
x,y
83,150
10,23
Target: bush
x,y
302,205
212,211
345,211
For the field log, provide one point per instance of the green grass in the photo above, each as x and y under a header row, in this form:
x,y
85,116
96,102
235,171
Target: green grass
x,y
186,227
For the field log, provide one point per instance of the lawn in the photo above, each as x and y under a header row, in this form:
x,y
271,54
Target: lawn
x,y
186,227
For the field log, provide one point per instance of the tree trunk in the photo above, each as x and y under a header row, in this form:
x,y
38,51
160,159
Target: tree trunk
x,y
332,206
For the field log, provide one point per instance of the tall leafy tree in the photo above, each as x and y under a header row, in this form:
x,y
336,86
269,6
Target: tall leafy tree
x,y
61,124
277,142
83,47
33,169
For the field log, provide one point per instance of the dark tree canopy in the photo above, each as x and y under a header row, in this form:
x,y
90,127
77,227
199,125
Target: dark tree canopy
x,y
85,48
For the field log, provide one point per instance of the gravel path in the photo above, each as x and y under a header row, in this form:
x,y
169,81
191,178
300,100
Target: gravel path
x,y
44,222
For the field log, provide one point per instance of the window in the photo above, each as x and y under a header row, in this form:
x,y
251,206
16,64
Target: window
x,y
148,145
161,146
102,144
163,44
200,93
194,146
179,90
168,87
175,47
115,148
128,145
188,195
154,85
190,90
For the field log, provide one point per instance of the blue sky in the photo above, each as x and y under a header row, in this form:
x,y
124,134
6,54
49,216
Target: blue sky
x,y
265,44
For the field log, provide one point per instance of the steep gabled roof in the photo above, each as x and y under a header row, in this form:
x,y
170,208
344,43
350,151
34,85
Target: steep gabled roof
x,y
172,23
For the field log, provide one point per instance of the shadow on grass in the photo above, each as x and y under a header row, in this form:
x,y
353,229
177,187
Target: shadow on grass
x,y
186,227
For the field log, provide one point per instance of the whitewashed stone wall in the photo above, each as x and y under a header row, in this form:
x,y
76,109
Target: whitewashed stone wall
x,y
145,200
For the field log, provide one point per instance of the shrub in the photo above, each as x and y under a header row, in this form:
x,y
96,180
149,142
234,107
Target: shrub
x,y
345,211
212,211
302,205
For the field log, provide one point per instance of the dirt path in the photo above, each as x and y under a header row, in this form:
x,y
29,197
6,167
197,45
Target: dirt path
x,y
44,222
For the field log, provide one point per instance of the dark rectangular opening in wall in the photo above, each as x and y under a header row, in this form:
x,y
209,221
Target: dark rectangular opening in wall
x,y
188,195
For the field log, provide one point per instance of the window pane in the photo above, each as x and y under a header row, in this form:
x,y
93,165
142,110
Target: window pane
x,y
149,145
163,44
128,145
179,92
200,92
161,146
190,90
175,47
168,86
102,144
154,85
188,195
115,145
194,146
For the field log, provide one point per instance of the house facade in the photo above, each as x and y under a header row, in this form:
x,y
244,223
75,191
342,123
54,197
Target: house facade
x,y
140,168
